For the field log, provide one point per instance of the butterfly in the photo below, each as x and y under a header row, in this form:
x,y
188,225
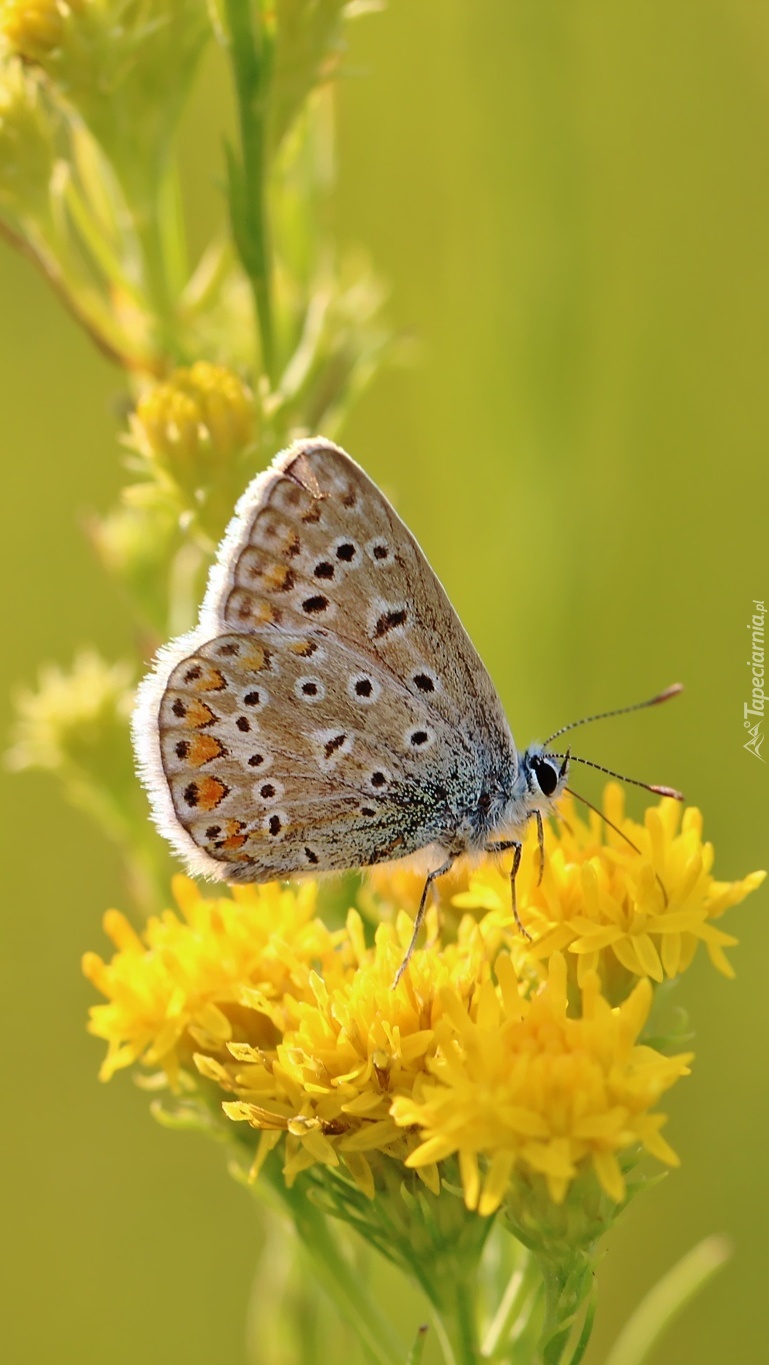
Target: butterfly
x,y
329,711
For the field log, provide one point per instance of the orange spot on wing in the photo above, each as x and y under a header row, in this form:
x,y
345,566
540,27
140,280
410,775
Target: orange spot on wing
x,y
210,791
211,681
198,715
255,658
277,576
202,749
234,841
245,607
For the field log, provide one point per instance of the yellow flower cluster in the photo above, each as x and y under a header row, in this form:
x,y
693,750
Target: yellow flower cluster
x,y
192,433
35,28
521,1082
223,970
331,1083
473,1059
630,903
77,718
205,410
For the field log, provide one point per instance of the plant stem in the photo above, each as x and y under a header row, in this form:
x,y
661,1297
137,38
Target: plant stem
x,y
344,1286
250,52
515,1302
457,1322
144,187
665,1301
556,1332
568,1287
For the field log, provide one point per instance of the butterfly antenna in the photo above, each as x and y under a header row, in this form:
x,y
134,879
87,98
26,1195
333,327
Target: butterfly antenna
x,y
597,811
621,777
669,692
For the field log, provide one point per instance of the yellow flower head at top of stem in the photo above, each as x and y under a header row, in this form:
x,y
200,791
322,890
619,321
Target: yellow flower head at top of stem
x,y
330,1085
222,970
35,28
123,64
75,719
205,411
523,1084
626,909
192,429
484,1058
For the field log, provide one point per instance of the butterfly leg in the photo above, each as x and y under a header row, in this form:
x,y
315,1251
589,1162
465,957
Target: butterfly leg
x,y
540,845
431,877
503,846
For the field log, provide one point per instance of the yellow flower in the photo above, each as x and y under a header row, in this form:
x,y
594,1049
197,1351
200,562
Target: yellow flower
x,y
205,410
481,1060
390,887
352,1049
76,720
124,64
522,1085
228,969
621,910
34,28
191,433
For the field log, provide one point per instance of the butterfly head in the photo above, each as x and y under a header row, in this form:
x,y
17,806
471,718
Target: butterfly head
x,y
545,777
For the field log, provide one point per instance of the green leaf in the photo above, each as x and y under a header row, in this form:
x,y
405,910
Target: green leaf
x,y
417,1351
667,1299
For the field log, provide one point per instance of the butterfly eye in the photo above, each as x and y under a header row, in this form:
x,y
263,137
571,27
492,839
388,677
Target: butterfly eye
x,y
547,776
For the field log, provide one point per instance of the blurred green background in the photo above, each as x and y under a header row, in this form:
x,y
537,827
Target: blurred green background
x,y
571,203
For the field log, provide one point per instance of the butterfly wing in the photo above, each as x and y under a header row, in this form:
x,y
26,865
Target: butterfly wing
x,y
329,711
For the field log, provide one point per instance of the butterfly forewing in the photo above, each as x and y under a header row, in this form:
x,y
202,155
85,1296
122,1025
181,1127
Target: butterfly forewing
x,y
329,711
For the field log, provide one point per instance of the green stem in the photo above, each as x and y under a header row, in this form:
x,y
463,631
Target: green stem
x,y
146,223
556,1331
514,1308
456,1322
666,1300
587,1330
145,191
417,1350
344,1286
250,52
568,1290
